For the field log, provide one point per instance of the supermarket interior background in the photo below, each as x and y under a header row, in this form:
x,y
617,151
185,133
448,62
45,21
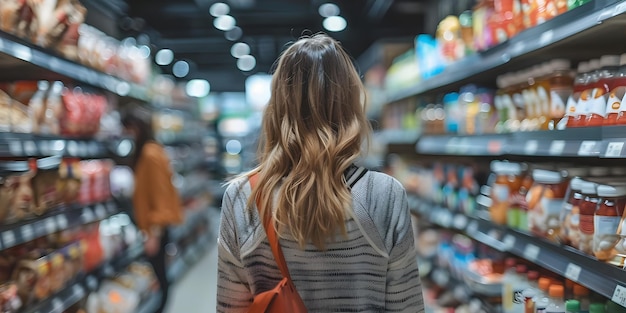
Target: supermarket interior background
x,y
504,120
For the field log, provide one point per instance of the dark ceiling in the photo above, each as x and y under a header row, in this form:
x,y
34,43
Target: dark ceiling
x,y
186,27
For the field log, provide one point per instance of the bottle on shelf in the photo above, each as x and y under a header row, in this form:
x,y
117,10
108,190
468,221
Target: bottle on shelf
x,y
612,307
561,89
532,292
588,208
597,308
514,282
569,218
545,200
609,65
616,106
584,102
607,220
572,111
582,294
508,181
572,306
517,216
557,299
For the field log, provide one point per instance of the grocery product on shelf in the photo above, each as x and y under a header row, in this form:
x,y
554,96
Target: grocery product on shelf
x,y
607,219
587,212
593,100
545,199
556,294
570,214
508,181
614,106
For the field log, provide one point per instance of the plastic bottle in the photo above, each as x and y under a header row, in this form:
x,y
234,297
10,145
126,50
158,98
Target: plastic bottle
x,y
607,220
570,214
517,216
561,89
542,75
510,280
557,301
572,306
572,111
596,308
581,293
584,102
523,109
588,208
609,65
508,181
542,305
532,292
615,106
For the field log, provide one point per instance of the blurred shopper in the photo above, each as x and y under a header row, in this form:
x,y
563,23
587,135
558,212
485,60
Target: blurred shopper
x,y
347,250
156,202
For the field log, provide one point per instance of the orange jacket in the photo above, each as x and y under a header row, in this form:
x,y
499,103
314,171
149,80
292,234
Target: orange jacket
x,y
156,200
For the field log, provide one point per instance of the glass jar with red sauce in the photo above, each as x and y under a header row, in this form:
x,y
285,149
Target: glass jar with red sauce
x,y
545,199
615,107
607,219
570,214
596,106
588,207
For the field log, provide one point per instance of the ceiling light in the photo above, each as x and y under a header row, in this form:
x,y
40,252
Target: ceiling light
x,y
180,69
240,49
218,9
246,63
335,23
234,34
198,88
164,57
224,22
328,9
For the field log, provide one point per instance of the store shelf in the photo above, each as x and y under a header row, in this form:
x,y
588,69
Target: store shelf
x,y
603,278
62,218
20,145
79,288
192,219
593,142
150,304
584,24
24,60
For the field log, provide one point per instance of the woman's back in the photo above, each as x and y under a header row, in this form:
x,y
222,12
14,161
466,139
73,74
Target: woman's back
x,y
371,269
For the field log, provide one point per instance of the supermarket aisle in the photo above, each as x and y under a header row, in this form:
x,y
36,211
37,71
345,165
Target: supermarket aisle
x,y
195,292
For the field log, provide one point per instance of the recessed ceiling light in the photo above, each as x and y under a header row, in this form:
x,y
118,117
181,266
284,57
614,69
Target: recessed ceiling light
x,y
335,23
197,88
224,22
164,57
234,34
240,49
219,9
246,63
328,9
180,69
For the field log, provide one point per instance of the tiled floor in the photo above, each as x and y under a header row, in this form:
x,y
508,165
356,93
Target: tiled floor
x,y
195,292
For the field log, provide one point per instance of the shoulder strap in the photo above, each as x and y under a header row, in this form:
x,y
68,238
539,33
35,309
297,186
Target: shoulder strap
x,y
353,174
272,237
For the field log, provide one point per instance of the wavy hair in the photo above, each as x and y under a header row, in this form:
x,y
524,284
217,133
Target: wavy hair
x,y
313,129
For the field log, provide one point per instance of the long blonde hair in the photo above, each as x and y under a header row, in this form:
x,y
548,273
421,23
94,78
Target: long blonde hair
x,y
312,131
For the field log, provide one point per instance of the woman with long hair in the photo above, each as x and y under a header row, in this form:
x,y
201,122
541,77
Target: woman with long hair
x,y
156,203
347,249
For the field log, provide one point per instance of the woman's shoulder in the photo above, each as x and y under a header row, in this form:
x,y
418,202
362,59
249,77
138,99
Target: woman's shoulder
x,y
383,183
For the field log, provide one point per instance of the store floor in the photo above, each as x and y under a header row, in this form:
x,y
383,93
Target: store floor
x,y
196,291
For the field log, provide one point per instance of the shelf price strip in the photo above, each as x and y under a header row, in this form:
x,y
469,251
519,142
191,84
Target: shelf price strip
x,y
572,272
531,252
619,295
587,148
614,149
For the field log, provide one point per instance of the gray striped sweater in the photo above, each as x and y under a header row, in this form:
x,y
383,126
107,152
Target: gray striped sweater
x,y
373,269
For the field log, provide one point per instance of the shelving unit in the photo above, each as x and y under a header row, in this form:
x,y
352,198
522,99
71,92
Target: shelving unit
x,y
592,24
603,278
28,61
61,218
19,145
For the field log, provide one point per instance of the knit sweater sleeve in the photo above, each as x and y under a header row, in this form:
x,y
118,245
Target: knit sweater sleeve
x,y
233,288
404,290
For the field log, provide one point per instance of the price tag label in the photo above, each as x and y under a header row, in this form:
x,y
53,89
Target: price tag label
x,y
88,215
82,149
614,149
30,148
8,238
494,147
460,221
572,272
518,48
531,252
472,227
62,222
44,147
619,295
531,147
587,148
22,52
72,148
92,282
546,37
57,305
28,232
557,147
51,225
101,211
15,147
509,242
445,219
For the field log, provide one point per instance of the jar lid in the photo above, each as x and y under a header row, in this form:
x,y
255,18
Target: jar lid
x,y
609,60
596,308
506,168
556,291
576,184
597,171
594,64
14,166
611,190
547,177
560,64
589,188
49,163
578,171
622,59
572,306
583,67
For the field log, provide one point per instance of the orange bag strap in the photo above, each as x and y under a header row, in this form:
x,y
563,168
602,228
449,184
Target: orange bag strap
x,y
270,230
